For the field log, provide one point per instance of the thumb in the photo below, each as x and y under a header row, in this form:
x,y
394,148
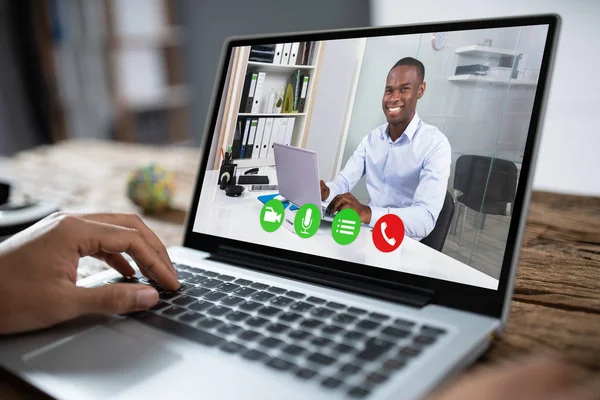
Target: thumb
x,y
117,298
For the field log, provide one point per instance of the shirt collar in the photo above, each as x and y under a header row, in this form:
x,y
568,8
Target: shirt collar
x,y
409,132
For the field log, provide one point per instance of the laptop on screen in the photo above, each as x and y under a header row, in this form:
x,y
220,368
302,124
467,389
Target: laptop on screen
x,y
400,118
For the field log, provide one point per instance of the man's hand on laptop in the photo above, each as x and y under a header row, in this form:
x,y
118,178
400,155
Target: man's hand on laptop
x,y
39,269
324,191
347,200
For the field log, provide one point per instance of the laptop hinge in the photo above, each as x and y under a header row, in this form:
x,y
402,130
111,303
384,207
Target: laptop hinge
x,y
383,289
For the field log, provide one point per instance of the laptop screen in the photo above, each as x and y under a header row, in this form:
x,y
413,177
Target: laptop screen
x,y
411,145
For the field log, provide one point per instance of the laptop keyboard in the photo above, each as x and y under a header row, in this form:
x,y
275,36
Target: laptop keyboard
x,y
334,345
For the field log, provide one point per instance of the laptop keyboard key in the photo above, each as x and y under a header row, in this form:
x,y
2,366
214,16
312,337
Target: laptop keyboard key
x,y
197,292
281,301
332,330
226,278
349,369
262,296
311,323
218,311
299,335
229,329
271,343
410,351
159,306
259,286
321,342
244,292
196,280
167,295
295,295
278,328
331,383
268,311
422,339
353,335
321,359
378,316
374,349
305,373
357,311
190,316
200,305
210,274
432,331
367,325
227,287
394,364
250,336
289,317
276,290
316,300
335,306
256,322
184,300
395,332
250,306
375,379
211,283
209,323
173,311
321,312
344,319
242,282
301,306
232,347
404,323
279,364
254,355
294,350
358,393
343,348
214,296
232,301
237,316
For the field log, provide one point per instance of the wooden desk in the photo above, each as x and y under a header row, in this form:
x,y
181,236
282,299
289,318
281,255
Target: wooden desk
x,y
556,305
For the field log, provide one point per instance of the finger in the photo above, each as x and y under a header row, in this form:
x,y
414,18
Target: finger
x,y
135,222
116,261
93,237
117,298
332,206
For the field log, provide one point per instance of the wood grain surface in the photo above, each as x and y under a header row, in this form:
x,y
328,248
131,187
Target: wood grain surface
x,y
556,305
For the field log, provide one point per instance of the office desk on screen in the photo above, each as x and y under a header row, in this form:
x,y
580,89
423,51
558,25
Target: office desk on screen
x,y
238,218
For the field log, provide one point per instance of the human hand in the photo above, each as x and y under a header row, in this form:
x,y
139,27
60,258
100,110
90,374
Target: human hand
x,y
324,191
347,200
536,378
39,269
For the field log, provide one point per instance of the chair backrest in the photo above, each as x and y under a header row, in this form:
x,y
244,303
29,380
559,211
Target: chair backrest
x,y
473,178
437,237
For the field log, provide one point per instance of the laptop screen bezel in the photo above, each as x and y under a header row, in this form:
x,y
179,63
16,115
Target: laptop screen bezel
x,y
450,294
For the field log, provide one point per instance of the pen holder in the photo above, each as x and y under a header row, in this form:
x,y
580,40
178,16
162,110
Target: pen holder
x,y
226,175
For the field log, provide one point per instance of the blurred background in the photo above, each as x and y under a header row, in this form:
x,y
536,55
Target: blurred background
x,y
143,71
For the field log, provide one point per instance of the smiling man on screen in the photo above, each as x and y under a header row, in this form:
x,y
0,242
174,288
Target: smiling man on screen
x,y
406,161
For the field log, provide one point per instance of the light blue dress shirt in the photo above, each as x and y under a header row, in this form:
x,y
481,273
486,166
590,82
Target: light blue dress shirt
x,y
408,177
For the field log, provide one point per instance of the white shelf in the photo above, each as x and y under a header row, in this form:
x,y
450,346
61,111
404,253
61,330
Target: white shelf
x,y
268,67
490,80
271,115
477,50
168,36
254,162
171,97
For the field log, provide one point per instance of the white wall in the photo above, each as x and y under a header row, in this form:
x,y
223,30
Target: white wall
x,y
570,142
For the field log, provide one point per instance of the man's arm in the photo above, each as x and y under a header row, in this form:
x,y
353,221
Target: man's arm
x,y
352,172
419,219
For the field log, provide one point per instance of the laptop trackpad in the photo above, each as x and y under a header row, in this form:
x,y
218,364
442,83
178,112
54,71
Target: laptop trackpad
x,y
98,369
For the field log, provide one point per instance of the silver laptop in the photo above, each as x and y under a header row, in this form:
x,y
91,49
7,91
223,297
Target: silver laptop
x,y
269,315
298,177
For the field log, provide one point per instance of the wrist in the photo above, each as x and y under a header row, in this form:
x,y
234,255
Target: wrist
x,y
365,217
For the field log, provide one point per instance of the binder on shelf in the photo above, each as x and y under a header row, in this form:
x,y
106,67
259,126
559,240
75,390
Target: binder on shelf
x,y
262,53
236,145
294,53
251,135
301,53
289,131
278,53
274,136
265,143
311,53
257,100
260,130
285,57
303,93
248,92
282,132
295,80
245,139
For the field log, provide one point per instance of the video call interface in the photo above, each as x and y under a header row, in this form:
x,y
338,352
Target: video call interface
x,y
398,152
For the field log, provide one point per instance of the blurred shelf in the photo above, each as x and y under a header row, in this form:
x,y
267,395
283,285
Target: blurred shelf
x,y
169,36
271,115
172,97
477,50
268,67
254,162
490,80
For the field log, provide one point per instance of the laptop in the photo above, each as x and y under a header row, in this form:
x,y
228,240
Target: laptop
x,y
298,177
269,315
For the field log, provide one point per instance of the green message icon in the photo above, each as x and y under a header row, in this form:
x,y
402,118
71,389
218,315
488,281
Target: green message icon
x,y
345,226
307,220
271,215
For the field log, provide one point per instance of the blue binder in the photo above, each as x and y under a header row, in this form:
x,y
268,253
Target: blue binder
x,y
266,197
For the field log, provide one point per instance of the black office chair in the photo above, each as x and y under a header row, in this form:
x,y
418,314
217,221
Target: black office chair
x,y
479,176
437,237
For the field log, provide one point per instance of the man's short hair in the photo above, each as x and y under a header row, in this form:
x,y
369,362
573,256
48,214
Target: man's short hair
x,y
413,62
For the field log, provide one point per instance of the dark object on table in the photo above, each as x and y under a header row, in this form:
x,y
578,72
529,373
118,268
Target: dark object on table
x,y
251,171
4,192
437,237
475,69
16,216
234,190
253,180
226,175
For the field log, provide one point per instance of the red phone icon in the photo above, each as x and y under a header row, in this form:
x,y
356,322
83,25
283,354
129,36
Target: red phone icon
x,y
388,233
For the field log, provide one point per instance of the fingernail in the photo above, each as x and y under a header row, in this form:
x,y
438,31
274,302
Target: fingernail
x,y
146,298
